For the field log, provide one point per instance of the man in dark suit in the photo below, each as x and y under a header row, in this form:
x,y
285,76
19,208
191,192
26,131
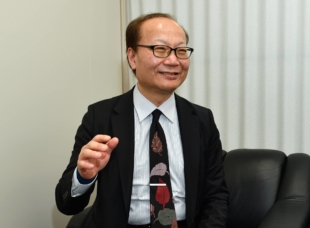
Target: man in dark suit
x,y
112,143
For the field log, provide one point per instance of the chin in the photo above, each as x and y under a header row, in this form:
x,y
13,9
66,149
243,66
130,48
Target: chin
x,y
170,88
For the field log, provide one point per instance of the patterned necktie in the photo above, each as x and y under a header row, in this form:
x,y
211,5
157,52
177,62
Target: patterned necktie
x,y
161,199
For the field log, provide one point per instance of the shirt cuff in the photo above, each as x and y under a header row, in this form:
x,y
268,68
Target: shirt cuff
x,y
79,184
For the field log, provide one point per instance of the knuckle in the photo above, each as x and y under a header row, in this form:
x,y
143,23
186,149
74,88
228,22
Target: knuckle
x,y
80,163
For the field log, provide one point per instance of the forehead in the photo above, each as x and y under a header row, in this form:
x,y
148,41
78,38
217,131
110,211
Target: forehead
x,y
163,30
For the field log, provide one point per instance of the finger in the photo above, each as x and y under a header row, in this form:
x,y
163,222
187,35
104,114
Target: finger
x,y
101,138
92,145
89,153
85,164
112,144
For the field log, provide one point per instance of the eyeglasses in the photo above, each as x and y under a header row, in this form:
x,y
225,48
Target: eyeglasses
x,y
163,51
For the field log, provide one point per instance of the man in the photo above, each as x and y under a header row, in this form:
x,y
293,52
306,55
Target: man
x,y
112,144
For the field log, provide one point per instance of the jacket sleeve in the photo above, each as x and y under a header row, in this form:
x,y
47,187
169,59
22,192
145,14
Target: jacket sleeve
x,y
65,202
215,193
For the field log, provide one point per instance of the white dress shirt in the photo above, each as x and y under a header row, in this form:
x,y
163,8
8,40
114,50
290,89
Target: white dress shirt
x,y
140,198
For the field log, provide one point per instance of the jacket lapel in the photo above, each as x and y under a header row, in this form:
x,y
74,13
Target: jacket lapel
x,y
123,128
190,136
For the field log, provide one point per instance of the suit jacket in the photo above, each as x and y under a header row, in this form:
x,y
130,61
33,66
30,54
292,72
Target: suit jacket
x,y
206,192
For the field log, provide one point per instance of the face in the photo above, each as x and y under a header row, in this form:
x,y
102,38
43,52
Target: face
x,y
159,77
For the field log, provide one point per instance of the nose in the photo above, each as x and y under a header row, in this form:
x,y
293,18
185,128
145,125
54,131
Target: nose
x,y
172,59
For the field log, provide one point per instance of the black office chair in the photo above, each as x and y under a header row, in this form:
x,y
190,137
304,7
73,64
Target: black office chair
x,y
267,189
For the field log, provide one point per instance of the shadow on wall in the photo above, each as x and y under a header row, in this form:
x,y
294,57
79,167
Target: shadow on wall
x,y
59,220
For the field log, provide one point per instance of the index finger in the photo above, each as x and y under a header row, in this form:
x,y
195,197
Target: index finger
x,y
101,138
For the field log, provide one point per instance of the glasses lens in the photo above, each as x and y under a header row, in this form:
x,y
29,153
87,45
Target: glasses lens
x,y
161,51
183,53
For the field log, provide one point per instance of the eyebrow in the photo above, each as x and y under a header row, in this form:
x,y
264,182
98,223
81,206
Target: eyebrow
x,y
166,43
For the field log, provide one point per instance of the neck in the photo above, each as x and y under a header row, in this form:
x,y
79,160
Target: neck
x,y
157,98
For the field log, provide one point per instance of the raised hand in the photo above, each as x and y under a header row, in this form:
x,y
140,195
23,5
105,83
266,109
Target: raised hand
x,y
95,155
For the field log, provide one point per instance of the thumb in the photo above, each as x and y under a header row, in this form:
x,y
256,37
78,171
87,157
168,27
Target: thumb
x,y
112,143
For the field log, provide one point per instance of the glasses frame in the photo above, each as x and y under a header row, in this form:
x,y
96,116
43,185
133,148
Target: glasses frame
x,y
171,49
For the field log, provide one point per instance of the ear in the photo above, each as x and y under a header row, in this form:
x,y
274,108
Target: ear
x,y
131,57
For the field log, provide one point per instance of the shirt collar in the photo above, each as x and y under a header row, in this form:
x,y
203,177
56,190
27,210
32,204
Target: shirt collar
x,y
144,107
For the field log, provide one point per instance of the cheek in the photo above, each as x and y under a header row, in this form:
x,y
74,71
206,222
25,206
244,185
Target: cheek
x,y
150,63
185,67
187,63
155,63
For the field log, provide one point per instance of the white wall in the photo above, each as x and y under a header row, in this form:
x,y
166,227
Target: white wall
x,y
56,57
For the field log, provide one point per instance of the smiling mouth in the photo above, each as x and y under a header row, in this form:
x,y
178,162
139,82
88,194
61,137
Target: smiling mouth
x,y
169,73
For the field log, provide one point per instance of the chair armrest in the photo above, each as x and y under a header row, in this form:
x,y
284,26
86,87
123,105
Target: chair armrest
x,y
76,220
288,213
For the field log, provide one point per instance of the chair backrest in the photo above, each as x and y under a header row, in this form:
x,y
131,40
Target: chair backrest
x,y
292,208
253,177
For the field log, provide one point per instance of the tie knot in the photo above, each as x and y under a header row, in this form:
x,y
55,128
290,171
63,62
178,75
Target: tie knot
x,y
156,114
